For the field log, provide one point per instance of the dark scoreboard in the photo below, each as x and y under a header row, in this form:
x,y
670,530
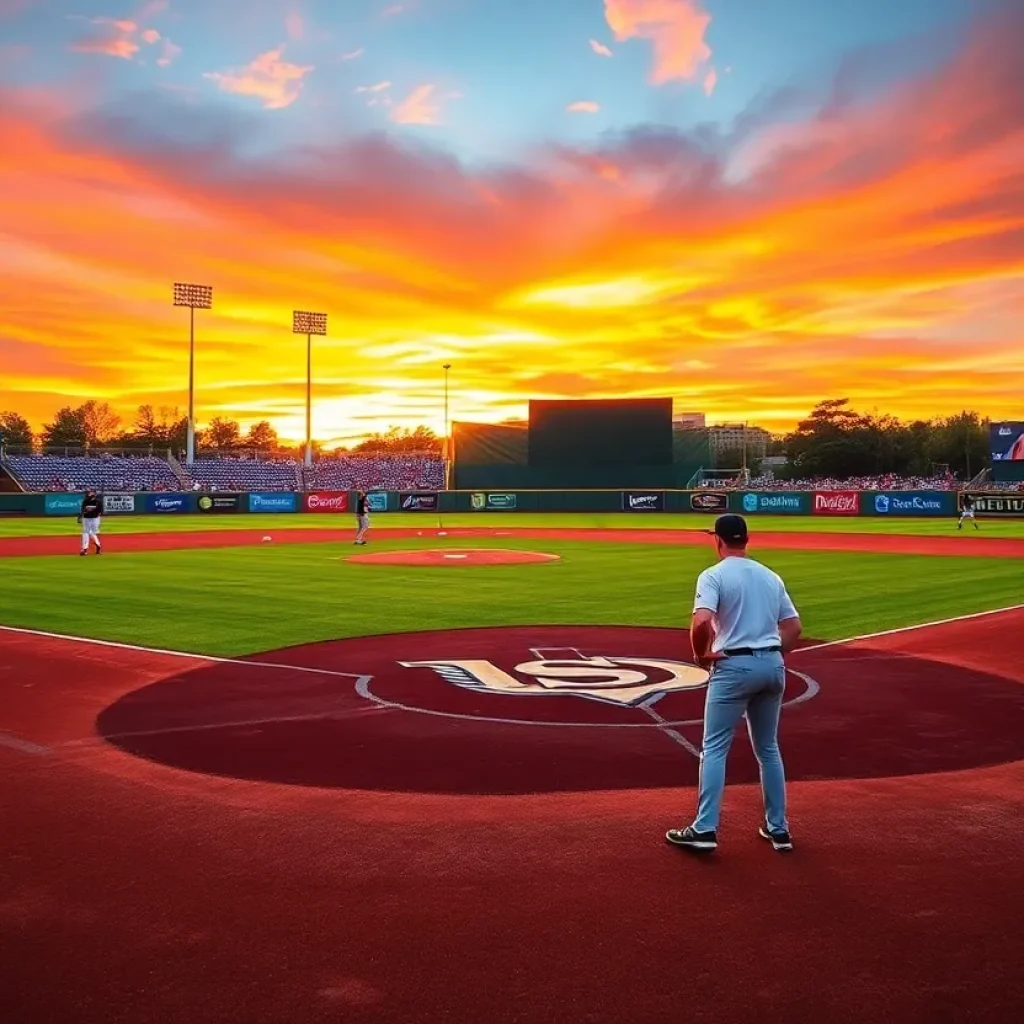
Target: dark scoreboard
x,y
603,432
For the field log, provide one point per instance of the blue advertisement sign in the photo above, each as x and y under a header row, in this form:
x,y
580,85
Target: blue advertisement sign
x,y
63,504
273,502
163,503
777,502
377,501
914,503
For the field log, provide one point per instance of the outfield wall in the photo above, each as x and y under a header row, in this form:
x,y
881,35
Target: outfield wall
x,y
875,504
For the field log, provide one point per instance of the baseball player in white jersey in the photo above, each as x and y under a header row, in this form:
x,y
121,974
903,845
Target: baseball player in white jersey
x,y
743,623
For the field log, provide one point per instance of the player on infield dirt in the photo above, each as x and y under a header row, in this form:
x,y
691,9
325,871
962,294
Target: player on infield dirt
x,y
743,623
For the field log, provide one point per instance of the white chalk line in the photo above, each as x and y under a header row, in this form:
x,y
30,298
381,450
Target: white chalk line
x,y
26,746
908,629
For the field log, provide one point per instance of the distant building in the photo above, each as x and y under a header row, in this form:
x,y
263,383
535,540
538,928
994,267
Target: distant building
x,y
733,436
688,421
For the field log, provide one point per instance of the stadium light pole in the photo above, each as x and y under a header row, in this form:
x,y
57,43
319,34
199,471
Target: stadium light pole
x,y
447,367
304,322
446,453
195,296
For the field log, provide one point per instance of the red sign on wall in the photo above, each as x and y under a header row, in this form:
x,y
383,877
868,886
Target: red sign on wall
x,y
836,503
326,501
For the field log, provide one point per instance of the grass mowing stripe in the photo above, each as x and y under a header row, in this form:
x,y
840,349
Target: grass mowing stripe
x,y
237,601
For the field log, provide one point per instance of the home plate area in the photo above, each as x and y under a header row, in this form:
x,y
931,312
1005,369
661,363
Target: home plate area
x,y
454,557
535,709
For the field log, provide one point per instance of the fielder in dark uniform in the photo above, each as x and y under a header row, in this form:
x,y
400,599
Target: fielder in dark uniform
x,y
90,517
362,516
967,512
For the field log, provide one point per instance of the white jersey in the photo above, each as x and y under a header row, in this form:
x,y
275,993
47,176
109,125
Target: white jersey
x,y
748,601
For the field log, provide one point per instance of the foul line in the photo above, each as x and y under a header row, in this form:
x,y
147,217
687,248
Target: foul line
x,y
212,659
908,629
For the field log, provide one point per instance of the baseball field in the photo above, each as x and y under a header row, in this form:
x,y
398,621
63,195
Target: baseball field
x,y
256,774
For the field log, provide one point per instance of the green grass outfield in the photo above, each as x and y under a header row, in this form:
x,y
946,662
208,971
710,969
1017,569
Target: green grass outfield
x,y
382,521
242,600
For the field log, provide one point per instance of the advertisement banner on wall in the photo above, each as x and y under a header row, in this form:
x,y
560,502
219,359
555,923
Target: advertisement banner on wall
x,y
220,503
643,501
709,501
913,503
776,502
63,504
115,503
325,501
377,501
273,501
837,503
987,503
492,502
165,503
418,502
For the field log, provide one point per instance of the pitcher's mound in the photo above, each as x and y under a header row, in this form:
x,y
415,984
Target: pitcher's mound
x,y
454,557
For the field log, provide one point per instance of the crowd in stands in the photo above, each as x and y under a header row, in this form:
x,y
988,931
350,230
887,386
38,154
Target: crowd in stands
x,y
423,473
407,473
107,472
245,475
887,482
149,473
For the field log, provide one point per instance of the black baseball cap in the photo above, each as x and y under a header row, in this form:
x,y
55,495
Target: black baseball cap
x,y
731,528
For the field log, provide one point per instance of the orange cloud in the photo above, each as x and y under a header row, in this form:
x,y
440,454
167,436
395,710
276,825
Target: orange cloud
x,y
276,82
710,81
676,28
873,249
419,107
583,107
600,49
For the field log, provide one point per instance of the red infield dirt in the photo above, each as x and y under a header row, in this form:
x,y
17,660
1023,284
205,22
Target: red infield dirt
x,y
975,547
454,558
340,832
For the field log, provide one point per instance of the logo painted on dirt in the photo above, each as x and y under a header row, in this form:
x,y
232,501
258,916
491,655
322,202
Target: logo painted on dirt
x,y
531,709
622,681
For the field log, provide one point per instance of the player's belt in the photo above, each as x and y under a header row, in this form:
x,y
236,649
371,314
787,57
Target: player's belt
x,y
739,652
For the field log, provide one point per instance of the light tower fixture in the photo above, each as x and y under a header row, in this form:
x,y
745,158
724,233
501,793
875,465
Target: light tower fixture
x,y
194,296
307,323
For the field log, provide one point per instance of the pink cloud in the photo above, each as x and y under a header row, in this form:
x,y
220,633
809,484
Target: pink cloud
x,y
392,11
583,107
600,49
150,36
294,25
675,28
710,81
419,107
171,52
276,82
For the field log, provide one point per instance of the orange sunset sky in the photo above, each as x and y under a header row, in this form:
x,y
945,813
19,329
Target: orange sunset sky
x,y
746,210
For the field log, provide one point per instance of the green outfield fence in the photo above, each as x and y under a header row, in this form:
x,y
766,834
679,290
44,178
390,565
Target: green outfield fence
x,y
708,501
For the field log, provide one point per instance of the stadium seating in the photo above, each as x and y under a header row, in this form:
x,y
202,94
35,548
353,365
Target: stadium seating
x,y
390,474
245,475
107,472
